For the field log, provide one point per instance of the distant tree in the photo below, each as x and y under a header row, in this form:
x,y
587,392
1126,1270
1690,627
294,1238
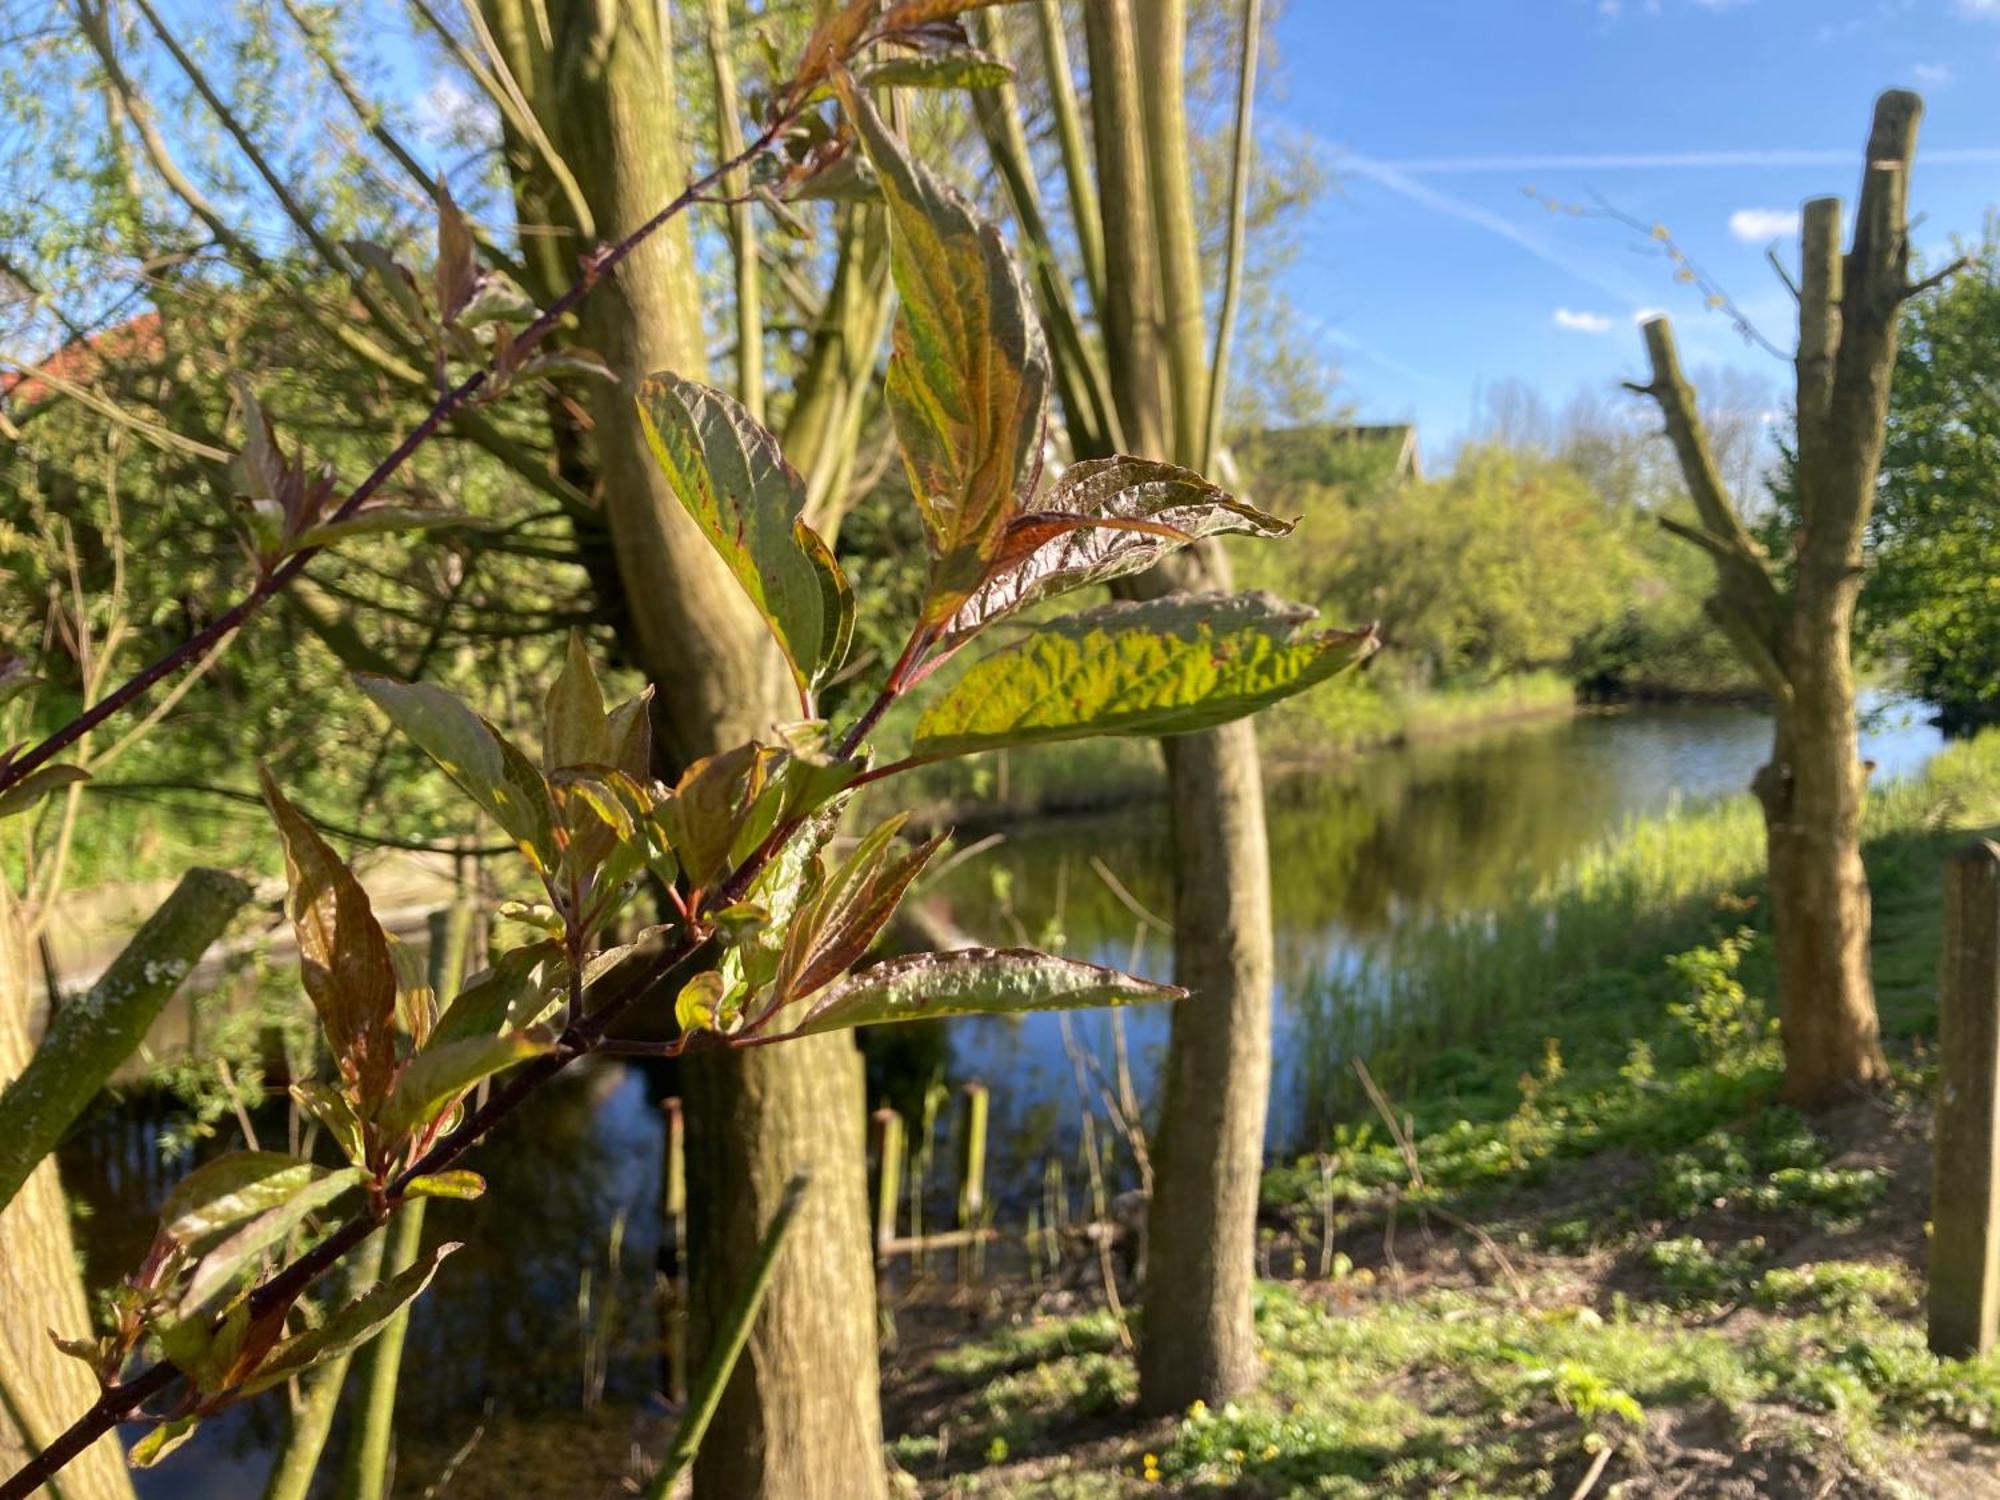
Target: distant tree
x,y
1793,624
1503,564
1933,593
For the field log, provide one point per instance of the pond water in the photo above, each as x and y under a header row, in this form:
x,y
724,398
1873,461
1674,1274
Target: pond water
x,y
1394,837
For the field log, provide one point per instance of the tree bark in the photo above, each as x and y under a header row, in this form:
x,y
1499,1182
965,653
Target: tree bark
x,y
801,1417
41,1287
1199,1338
1799,638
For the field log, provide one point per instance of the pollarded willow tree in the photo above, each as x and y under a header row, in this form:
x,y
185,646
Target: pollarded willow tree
x,y
1794,625
765,923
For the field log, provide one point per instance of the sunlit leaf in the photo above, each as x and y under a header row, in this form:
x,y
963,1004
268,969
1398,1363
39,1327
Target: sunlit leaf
x,y
230,1189
221,1266
969,378
1162,666
731,476
459,1184
434,1079
1104,519
966,68
350,1327
974,981
329,1106
416,1001
344,957
698,1006
474,754
37,784
161,1441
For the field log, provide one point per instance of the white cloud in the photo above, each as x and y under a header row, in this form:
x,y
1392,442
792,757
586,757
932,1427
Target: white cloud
x,y
1932,75
448,112
1582,322
1979,10
1754,226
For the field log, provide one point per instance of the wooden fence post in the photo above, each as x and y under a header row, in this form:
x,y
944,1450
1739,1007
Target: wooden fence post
x,y
673,1276
888,1186
972,1180
1965,1191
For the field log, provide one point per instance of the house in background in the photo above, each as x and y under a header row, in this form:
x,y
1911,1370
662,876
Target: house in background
x,y
1357,459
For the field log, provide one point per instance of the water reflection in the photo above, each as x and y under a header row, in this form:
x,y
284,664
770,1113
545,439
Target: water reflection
x,y
1355,852
504,1324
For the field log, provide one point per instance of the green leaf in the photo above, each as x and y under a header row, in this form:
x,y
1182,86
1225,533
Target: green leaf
x,y
457,1184
344,956
382,521
704,816
961,68
629,728
434,1079
1105,518
416,1001
477,756
230,1189
836,925
969,379
698,1007
732,477
974,982
510,996
36,785
329,1106
161,1441
846,179
219,1268
351,1327
575,731
1163,666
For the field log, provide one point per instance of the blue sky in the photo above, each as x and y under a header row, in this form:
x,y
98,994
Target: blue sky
x,y
1429,272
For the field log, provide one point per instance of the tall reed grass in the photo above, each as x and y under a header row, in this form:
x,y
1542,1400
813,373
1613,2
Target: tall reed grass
x,y
1564,954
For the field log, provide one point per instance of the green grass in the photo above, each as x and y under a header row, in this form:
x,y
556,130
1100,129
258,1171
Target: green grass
x,y
1452,1007
1671,1265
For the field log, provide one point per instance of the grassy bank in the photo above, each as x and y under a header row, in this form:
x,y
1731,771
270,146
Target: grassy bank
x,y
1601,1260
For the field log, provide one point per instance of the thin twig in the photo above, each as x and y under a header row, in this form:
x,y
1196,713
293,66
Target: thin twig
x,y
453,401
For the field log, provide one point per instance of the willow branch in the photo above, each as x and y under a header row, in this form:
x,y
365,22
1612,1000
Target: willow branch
x,y
1239,195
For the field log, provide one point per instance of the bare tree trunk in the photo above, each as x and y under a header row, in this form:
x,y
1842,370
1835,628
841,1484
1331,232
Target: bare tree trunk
x,y
801,1417
1199,1336
1200,1340
41,1287
1798,638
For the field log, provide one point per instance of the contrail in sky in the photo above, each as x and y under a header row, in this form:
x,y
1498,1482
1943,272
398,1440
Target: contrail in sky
x,y
1441,166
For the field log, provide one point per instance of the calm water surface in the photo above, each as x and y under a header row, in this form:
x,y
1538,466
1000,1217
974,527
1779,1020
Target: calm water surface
x,y
1397,836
